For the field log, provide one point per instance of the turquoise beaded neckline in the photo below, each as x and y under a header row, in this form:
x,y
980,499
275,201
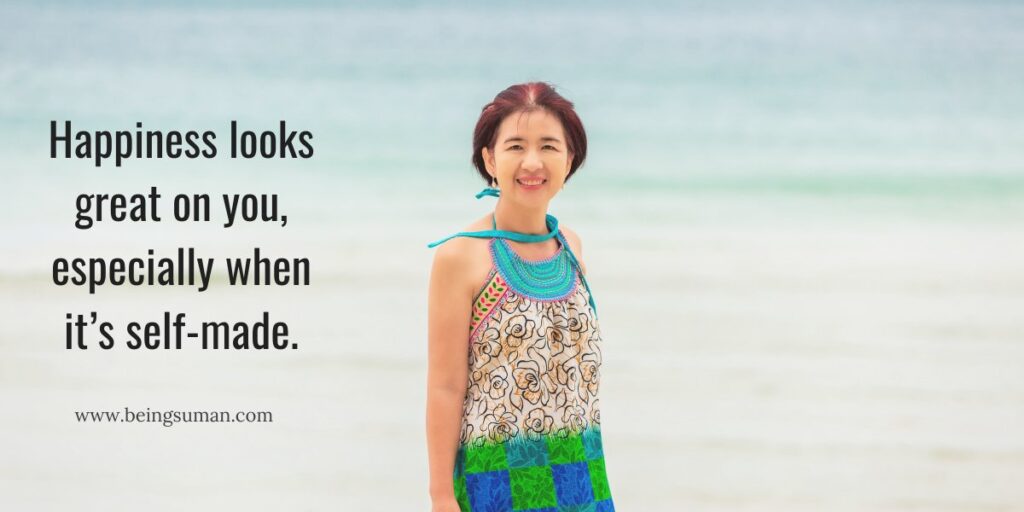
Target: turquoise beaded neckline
x,y
544,277
548,279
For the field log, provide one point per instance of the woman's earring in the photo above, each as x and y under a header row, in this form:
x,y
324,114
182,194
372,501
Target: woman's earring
x,y
494,182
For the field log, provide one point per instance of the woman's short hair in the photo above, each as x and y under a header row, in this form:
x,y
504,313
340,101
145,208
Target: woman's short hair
x,y
527,97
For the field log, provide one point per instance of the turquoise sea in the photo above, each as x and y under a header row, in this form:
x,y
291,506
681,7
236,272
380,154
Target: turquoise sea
x,y
803,222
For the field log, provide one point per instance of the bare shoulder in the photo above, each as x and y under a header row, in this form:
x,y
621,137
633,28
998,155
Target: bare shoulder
x,y
463,261
576,244
572,237
461,250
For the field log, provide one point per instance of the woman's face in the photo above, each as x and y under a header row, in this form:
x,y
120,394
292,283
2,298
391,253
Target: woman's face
x,y
530,158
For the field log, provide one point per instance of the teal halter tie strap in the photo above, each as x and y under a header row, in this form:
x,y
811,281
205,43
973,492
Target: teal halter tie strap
x,y
551,221
552,224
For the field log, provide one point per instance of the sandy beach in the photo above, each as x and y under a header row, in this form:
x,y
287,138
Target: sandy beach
x,y
802,228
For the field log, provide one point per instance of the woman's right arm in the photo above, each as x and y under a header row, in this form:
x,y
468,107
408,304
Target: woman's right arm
x,y
448,313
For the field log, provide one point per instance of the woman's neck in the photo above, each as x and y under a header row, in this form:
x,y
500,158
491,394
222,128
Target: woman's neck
x,y
519,220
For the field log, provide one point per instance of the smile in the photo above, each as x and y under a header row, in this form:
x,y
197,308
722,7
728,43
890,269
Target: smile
x,y
531,182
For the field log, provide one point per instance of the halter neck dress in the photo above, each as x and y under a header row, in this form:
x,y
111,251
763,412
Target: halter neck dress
x,y
530,438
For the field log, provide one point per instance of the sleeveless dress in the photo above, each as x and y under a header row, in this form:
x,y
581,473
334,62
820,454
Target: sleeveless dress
x,y
530,438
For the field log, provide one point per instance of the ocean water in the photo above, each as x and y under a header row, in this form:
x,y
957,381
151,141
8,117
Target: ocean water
x,y
802,222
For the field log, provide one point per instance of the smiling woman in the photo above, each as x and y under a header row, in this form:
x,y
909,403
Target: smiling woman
x,y
523,160
513,422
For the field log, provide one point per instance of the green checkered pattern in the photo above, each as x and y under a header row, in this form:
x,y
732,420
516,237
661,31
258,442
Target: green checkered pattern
x,y
546,472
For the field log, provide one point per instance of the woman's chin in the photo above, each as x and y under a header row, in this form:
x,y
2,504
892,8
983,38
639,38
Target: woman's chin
x,y
532,198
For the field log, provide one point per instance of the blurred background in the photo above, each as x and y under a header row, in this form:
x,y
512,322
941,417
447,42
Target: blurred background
x,y
802,223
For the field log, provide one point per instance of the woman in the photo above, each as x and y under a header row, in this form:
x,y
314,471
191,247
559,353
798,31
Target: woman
x,y
512,415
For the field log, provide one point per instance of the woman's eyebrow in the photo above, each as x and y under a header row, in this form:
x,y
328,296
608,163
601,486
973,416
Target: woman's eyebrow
x,y
520,139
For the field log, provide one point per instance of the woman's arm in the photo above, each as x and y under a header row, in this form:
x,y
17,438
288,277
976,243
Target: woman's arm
x,y
448,313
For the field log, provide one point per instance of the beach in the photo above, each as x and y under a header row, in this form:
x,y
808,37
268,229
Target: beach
x,y
802,229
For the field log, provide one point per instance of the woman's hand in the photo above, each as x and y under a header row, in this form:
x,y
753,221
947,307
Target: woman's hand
x,y
445,505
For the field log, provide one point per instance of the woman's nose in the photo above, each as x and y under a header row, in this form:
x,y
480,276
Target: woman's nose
x,y
531,160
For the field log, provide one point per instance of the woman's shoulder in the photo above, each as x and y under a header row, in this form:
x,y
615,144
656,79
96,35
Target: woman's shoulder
x,y
464,256
465,246
571,236
575,243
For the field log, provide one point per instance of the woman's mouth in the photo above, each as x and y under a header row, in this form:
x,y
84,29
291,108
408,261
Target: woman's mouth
x,y
531,183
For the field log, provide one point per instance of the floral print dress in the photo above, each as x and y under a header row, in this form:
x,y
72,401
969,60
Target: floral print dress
x,y
531,429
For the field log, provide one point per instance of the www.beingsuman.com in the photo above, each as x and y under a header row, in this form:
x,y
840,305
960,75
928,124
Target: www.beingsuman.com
x,y
170,418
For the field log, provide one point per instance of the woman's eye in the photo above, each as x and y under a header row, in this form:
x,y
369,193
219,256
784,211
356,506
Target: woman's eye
x,y
550,147
515,147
